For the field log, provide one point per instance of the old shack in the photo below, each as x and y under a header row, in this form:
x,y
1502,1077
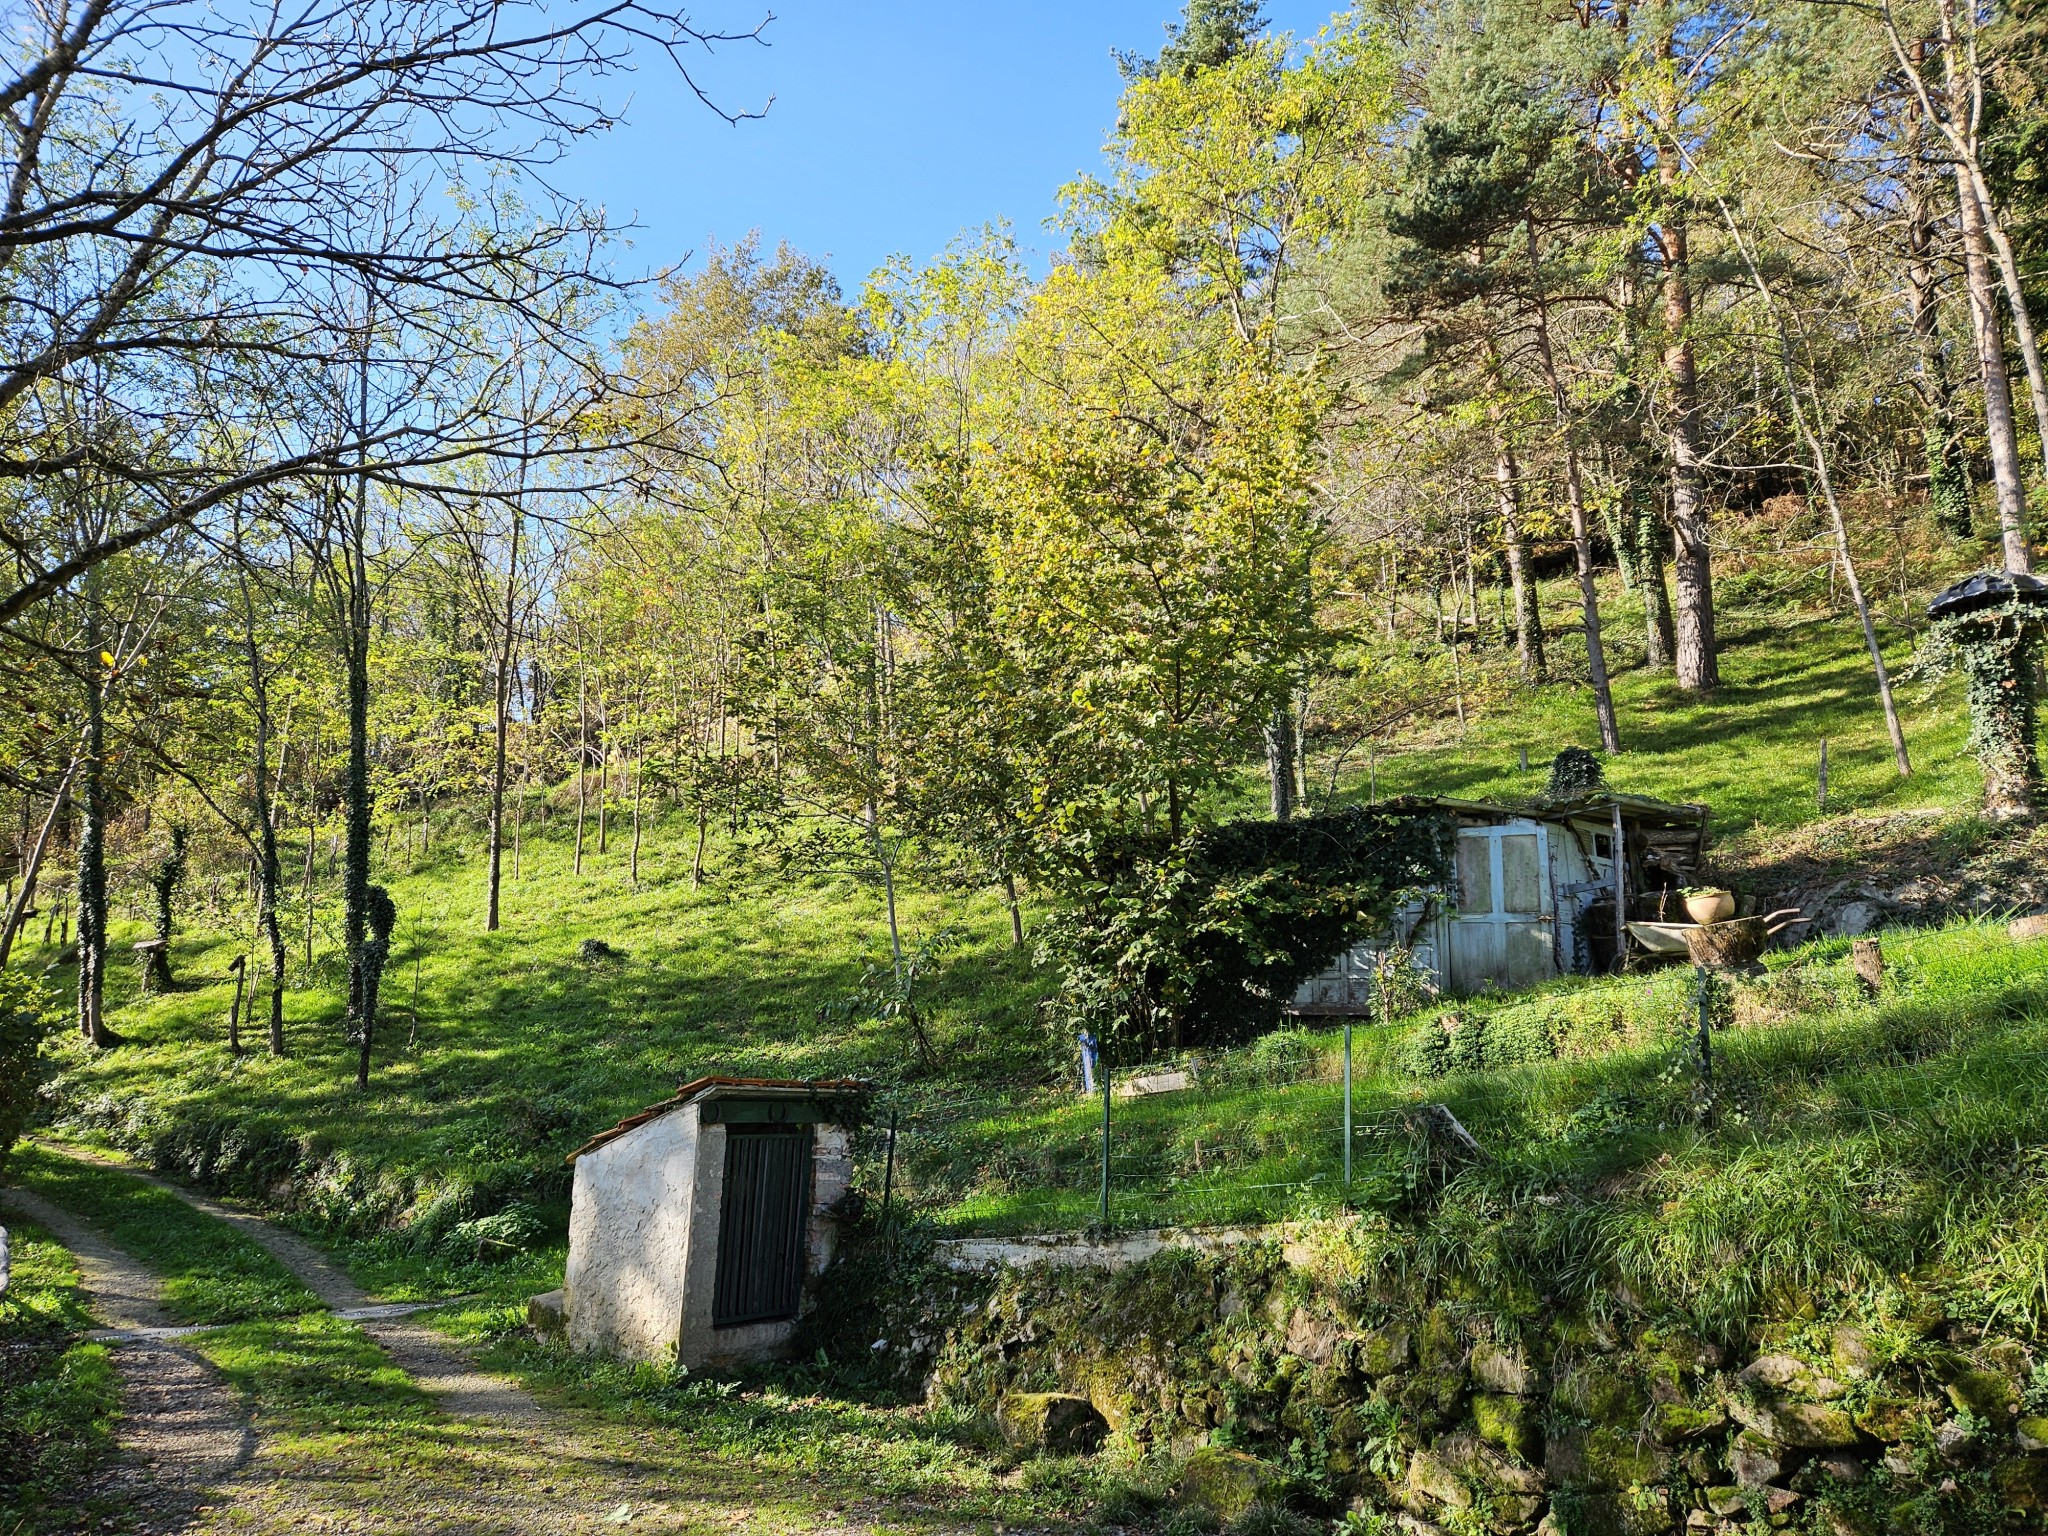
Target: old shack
x,y
1534,894
698,1226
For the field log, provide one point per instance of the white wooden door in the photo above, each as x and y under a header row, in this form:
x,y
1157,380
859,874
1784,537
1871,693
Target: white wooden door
x,y
1501,933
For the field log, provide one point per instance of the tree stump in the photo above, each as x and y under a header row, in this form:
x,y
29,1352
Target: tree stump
x,y
156,955
1867,956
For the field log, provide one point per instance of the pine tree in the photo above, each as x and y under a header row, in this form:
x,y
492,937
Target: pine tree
x,y
1209,33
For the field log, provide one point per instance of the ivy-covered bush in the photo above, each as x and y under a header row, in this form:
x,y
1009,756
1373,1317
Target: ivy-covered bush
x,y
1167,946
24,1022
1998,652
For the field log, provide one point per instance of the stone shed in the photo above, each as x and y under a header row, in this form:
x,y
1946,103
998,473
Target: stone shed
x,y
698,1226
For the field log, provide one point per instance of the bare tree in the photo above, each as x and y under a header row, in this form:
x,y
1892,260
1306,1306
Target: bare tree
x,y
183,180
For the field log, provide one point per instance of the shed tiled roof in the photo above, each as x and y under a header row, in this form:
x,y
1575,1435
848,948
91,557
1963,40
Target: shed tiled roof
x,y
729,1087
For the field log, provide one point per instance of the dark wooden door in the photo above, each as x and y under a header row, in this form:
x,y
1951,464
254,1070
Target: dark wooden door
x,y
761,1224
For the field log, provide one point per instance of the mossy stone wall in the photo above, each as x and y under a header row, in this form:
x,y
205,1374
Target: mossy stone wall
x,y
1441,1411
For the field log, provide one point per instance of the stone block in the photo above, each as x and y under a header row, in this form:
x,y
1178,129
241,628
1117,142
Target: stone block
x,y
1509,1422
2022,1484
1311,1337
1503,1370
544,1314
1602,1391
1850,1353
2024,930
1890,1419
1618,1459
1985,1393
1436,1481
1804,1426
1755,1461
1051,1423
2033,1434
1840,1466
1677,1423
1227,1483
1385,1351
1785,1376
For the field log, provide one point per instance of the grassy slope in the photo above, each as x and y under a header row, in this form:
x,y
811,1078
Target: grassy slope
x,y
1749,753
519,1049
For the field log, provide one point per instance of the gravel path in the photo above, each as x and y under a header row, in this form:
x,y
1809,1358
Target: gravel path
x,y
456,1386
183,1433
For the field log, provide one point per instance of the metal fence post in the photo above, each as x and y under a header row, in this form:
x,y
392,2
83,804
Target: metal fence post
x,y
889,1180
1102,1070
1703,995
1347,1104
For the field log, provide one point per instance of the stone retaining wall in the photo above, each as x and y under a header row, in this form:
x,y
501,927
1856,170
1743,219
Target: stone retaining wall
x,y
1446,1412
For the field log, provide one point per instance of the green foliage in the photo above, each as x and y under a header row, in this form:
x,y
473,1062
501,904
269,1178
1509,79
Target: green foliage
x,y
24,1025
1574,773
1203,942
1209,33
1998,653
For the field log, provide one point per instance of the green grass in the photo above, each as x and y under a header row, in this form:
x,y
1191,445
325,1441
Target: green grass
x,y
211,1272
58,1392
791,1426
501,1052
1750,752
1852,1151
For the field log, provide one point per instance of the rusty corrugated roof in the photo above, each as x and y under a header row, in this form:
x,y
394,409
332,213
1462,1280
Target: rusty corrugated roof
x,y
705,1087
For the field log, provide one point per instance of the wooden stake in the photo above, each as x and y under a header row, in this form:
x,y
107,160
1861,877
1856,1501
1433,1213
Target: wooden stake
x,y
1820,793
1867,955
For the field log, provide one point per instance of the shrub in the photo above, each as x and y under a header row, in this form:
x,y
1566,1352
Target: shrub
x,y
1202,942
24,1024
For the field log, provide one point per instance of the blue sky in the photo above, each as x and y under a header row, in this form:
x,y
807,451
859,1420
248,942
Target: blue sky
x,y
896,124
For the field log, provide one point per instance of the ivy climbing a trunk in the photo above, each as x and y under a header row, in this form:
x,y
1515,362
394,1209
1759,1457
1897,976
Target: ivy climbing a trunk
x,y
1989,629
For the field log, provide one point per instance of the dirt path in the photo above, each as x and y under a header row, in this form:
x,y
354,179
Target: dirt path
x,y
183,1433
489,1461
456,1386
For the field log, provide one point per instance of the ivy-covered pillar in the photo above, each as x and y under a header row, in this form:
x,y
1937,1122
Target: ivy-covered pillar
x,y
1989,629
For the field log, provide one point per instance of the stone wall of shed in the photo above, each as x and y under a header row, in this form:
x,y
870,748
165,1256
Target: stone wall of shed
x,y
629,1239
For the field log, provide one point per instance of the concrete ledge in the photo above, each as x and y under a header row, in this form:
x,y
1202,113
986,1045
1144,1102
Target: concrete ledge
x,y
1079,1250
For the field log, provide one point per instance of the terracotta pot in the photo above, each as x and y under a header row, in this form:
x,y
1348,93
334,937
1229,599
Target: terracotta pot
x,y
1710,907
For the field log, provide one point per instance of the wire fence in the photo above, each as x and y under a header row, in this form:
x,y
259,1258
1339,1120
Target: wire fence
x,y
1231,1138
1242,1138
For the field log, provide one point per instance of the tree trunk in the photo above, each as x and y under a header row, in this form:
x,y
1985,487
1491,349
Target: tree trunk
x,y
887,866
1016,913
1999,426
501,721
582,762
1696,662
356,829
1948,471
269,871
92,867
501,726
1279,761
639,784
1528,615
1582,533
32,862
